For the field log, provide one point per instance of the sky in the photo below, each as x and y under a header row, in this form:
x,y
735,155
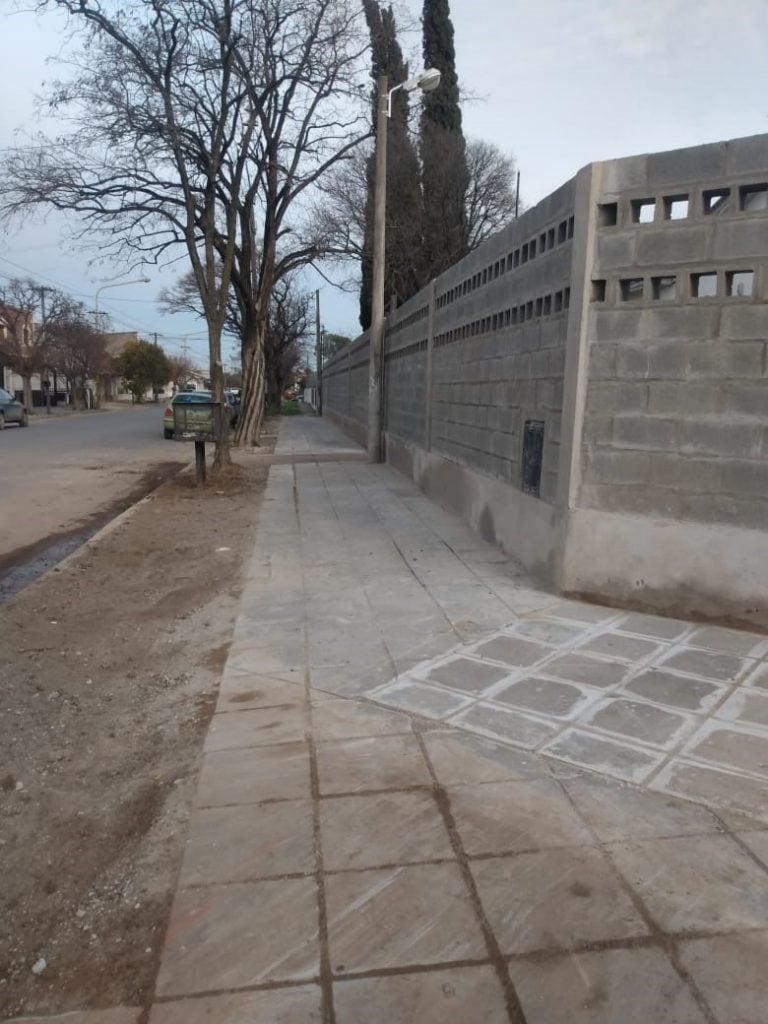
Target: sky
x,y
556,83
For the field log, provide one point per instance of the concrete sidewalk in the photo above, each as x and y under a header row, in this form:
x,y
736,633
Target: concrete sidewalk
x,y
394,824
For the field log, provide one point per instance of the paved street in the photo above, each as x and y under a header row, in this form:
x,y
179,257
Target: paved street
x,y
64,468
433,793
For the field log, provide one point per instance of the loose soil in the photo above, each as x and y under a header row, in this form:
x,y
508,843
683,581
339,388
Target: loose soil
x,y
109,667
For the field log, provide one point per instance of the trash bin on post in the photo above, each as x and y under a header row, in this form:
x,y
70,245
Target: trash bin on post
x,y
198,422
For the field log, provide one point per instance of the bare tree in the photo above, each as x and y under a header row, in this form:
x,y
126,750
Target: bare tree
x,y
201,124
491,190
180,369
489,202
25,333
78,351
288,326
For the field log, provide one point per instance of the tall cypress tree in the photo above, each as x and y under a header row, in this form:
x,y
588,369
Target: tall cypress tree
x,y
403,219
443,149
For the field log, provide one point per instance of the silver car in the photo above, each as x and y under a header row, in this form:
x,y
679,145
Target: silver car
x,y
12,411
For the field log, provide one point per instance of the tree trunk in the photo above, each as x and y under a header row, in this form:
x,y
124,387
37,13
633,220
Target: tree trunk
x,y
26,385
221,456
251,417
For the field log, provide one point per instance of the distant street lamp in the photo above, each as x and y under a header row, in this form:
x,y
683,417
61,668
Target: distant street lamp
x,y
427,81
114,284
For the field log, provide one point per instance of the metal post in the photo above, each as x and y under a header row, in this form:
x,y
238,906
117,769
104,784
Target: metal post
x,y
377,305
517,196
319,354
200,462
47,390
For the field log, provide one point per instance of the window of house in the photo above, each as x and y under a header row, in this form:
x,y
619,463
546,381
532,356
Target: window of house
x,y
598,291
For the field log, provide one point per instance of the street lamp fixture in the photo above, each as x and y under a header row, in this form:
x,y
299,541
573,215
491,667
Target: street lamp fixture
x,y
115,284
427,81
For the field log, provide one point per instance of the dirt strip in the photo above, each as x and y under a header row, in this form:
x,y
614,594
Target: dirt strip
x,y
108,672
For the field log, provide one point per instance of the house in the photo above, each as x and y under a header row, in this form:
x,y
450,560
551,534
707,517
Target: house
x,y
18,335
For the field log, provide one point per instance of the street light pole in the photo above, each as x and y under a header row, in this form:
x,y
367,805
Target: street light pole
x,y
379,252
427,81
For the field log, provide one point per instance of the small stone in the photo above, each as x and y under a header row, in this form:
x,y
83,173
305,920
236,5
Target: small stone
x,y
39,966
80,913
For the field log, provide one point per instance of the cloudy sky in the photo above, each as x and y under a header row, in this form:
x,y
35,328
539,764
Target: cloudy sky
x,y
558,83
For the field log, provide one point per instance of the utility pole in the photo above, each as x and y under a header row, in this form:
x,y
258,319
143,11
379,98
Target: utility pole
x,y
517,197
319,353
47,386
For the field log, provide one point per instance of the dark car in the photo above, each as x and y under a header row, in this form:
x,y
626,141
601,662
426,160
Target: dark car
x,y
12,411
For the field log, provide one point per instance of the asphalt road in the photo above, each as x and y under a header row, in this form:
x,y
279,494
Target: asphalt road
x,y
65,470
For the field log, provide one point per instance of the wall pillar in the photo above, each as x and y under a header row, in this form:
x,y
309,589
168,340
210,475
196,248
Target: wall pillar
x,y
588,187
428,387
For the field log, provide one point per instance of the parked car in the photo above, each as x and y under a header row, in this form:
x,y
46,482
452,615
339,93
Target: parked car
x,y
12,411
190,398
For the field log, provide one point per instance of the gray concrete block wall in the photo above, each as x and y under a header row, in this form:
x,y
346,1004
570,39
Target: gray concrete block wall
x,y
653,336
676,419
498,351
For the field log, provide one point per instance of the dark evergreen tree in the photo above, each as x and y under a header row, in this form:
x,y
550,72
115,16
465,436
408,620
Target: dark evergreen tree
x,y
403,221
443,149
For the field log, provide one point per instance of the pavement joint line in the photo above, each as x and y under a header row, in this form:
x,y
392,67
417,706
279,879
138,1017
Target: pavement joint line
x,y
265,986
261,707
346,794
410,969
734,835
514,1007
326,973
664,940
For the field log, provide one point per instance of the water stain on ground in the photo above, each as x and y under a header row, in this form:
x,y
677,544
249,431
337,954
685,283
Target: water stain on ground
x,y
23,566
